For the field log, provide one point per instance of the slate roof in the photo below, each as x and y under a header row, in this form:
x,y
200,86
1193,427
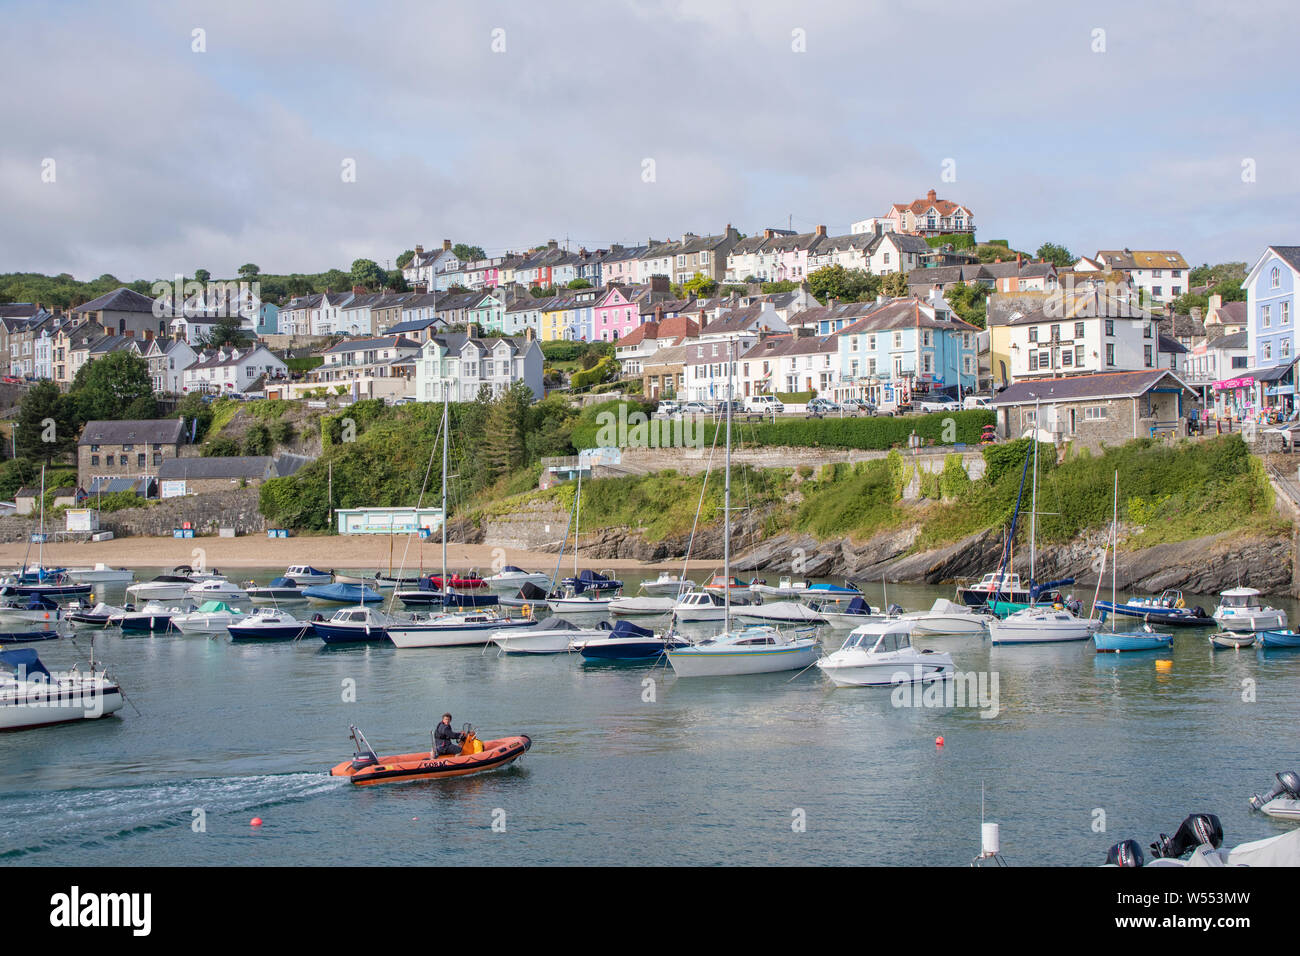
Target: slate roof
x,y
236,466
383,341
160,431
1074,388
120,300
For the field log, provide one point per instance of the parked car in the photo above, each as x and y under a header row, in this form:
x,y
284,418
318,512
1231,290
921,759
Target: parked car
x,y
767,404
696,408
976,401
931,405
822,406
858,406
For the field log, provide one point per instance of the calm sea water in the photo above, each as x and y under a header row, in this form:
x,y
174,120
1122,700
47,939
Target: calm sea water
x,y
705,772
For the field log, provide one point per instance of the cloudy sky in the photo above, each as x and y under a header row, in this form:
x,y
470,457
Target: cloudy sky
x,y
509,122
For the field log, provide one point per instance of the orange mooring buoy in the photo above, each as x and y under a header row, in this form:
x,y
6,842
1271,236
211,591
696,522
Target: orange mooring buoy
x,y
938,741
255,822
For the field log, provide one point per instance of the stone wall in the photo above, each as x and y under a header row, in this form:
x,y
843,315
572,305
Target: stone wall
x,y
236,508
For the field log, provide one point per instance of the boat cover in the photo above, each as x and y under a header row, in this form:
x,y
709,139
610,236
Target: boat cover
x,y
857,606
556,624
26,659
1038,589
532,592
213,607
283,583
628,629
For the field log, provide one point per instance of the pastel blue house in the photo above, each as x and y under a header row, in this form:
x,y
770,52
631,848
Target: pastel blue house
x,y
906,350
1270,325
268,319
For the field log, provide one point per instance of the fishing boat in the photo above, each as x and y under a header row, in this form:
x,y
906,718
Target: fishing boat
x,y
754,649
33,609
787,588
779,612
1169,609
626,641
1283,801
1276,639
154,617
1042,625
30,696
667,583
511,578
1240,610
100,616
269,624
279,591
366,769
325,595
210,617
216,590
1233,640
696,606
100,574
163,587
946,618
880,653
839,593
552,635
354,625
306,575
625,606
1148,638
454,630
996,585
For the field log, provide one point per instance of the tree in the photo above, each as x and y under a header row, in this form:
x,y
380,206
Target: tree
x,y
700,285
1206,274
366,273
227,330
105,388
504,447
1057,255
396,281
405,258
47,428
970,302
846,285
579,284
894,284
466,253
202,275
248,270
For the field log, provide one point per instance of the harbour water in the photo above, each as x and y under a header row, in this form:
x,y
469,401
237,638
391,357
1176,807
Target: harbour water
x,y
631,765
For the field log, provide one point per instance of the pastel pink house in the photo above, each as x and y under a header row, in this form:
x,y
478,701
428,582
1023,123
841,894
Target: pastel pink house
x,y
615,315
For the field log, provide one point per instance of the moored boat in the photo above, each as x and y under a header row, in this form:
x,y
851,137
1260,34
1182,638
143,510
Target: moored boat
x,y
667,583
210,617
1036,625
477,756
305,575
1276,639
839,593
511,578
1119,641
100,574
279,590
624,606
948,618
354,625
626,641
30,696
341,594
454,630
1233,640
779,612
880,653
269,624
760,649
696,606
1169,608
552,635
153,617
1240,610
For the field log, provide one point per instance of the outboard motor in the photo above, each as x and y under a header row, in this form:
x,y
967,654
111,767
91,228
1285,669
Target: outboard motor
x,y
1074,606
1127,853
1288,782
1199,611
1199,829
893,611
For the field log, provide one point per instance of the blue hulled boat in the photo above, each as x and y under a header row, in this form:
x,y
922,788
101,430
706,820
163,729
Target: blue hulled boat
x,y
628,642
592,581
1132,640
353,625
1277,639
1169,608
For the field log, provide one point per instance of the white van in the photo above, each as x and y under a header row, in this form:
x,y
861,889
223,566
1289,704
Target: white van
x,y
976,401
767,404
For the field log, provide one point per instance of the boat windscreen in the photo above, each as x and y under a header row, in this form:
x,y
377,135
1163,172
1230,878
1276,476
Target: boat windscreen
x,y
858,606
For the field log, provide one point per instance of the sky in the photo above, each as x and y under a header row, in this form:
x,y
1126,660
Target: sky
x,y
148,139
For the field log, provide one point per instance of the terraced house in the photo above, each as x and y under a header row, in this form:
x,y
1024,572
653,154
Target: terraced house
x,y
1271,288
456,366
380,367
906,348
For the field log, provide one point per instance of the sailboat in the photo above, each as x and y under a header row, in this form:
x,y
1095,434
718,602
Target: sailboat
x,y
30,696
450,630
1039,623
580,596
759,649
40,579
1147,639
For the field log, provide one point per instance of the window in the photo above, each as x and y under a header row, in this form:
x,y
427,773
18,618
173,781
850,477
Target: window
x,y
1146,330
871,342
1033,361
1078,355
122,461
898,340
139,460
94,461
1033,333
1110,353
1266,315
1266,353
1094,413
1275,278
157,458
1286,313
1078,330
1067,358
1110,326
1055,333
1146,354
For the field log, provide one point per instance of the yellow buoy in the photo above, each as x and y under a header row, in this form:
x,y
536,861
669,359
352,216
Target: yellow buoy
x,y
1164,665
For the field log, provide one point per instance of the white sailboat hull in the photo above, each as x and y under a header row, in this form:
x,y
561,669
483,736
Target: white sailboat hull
x,y
28,703
727,661
885,670
1038,633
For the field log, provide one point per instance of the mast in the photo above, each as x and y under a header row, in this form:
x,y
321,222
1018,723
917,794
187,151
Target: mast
x,y
1033,508
40,560
444,498
577,516
1114,547
726,511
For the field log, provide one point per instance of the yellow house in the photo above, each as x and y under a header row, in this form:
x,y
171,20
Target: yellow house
x,y
555,322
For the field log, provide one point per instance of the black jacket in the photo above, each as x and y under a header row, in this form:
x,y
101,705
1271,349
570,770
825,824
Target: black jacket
x,y
444,734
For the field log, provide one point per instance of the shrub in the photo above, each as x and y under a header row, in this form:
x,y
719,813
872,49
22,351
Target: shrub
x,y
870,433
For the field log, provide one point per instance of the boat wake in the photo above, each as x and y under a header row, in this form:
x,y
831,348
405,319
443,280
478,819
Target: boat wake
x,y
41,821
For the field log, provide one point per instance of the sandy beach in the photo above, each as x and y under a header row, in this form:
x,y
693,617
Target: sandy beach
x,y
323,551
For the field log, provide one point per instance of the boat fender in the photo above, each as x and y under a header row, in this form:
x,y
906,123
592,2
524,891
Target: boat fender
x,y
1180,603
527,609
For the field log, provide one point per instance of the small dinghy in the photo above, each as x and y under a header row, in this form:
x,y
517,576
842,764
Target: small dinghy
x,y
1276,639
101,615
1232,640
1283,801
476,756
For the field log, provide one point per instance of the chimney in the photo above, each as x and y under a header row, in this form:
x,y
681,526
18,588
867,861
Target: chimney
x,y
821,230
1215,303
659,313
830,302
419,249
551,244
652,327
358,290
1017,260
768,233
931,196
446,245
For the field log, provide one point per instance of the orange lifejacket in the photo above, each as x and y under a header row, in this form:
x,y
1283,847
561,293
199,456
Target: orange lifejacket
x,y
472,745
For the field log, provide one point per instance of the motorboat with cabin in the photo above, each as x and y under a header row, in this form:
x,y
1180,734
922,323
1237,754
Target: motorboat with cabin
x,y
100,574
667,584
354,625
881,653
1240,610
280,591
216,590
996,585
696,606
476,756
153,618
305,575
210,617
626,641
552,635
269,624
786,588
163,587
511,578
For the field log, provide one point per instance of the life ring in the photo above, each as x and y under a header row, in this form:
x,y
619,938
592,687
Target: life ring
x,y
528,610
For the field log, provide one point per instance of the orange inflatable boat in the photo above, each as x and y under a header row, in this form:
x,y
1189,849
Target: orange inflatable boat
x,y
476,756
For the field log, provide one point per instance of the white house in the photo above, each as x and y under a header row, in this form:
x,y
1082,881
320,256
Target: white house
x,y
456,366
232,370
168,359
1084,332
